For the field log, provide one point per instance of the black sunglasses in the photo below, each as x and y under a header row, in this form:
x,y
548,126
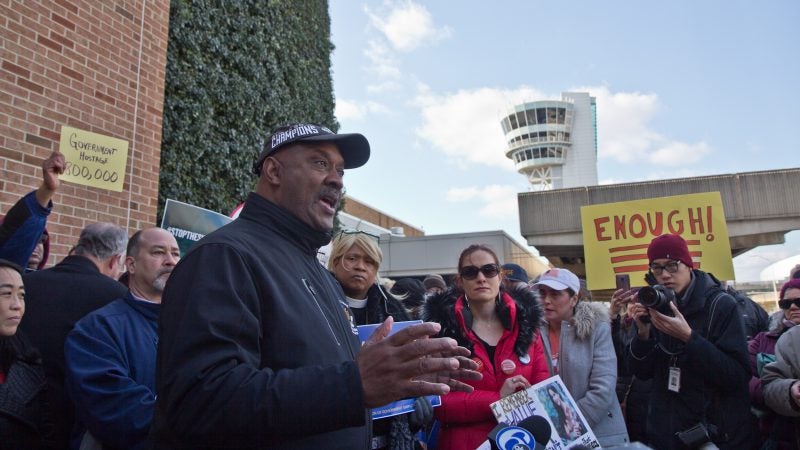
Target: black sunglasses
x,y
788,302
471,272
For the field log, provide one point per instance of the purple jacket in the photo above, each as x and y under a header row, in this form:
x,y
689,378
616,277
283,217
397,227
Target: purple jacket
x,y
763,342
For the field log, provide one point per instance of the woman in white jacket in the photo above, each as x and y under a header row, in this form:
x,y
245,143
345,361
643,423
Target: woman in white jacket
x,y
578,344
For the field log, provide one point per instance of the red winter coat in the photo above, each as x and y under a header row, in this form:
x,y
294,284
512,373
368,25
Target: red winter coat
x,y
467,419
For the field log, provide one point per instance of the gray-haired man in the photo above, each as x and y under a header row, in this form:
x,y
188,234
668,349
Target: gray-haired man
x,y
58,297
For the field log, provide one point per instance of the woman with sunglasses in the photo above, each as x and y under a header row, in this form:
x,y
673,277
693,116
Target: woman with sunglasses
x,y
501,331
24,418
354,261
762,351
579,348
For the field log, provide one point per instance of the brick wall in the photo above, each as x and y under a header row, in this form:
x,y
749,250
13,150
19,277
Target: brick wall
x,y
94,65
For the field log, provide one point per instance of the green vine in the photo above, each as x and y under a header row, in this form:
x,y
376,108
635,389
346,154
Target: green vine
x,y
236,69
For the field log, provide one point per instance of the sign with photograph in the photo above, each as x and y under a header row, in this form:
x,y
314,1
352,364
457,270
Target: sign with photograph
x,y
551,400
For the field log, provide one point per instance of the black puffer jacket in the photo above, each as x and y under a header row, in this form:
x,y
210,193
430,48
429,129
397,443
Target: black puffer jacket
x,y
24,415
441,309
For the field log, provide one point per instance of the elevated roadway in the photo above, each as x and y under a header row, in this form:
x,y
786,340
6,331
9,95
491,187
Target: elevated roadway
x,y
760,208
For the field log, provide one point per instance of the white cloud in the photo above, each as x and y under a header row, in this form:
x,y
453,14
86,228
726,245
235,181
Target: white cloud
x,y
383,63
465,125
380,88
679,153
625,132
408,25
397,26
347,109
496,200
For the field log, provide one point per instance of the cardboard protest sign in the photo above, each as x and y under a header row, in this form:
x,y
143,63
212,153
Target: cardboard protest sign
x,y
616,236
189,223
93,159
400,406
549,399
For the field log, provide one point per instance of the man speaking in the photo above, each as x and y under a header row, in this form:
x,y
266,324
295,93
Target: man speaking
x,y
256,349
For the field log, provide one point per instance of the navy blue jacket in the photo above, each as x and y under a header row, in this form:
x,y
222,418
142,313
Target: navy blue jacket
x,y
111,369
21,229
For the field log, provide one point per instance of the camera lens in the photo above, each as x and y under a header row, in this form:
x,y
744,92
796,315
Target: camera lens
x,y
650,297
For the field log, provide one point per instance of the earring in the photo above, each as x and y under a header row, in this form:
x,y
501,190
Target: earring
x,y
466,300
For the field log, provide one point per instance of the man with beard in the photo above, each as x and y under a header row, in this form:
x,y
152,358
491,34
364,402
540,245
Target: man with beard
x,y
256,349
111,353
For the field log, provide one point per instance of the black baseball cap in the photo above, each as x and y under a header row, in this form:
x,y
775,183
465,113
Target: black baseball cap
x,y
354,147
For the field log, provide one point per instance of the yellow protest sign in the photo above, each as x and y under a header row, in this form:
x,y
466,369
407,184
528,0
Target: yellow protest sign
x,y
616,236
93,159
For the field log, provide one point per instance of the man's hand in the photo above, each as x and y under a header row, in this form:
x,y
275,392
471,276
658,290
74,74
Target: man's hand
x,y
52,167
676,327
642,328
411,364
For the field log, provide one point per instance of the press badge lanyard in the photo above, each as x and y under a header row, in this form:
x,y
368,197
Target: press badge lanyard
x,y
674,379
674,376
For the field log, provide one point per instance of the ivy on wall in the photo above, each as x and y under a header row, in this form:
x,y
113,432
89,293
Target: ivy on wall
x,y
236,69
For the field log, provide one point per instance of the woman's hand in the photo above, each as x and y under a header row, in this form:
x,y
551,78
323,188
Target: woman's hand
x,y
618,302
513,384
620,299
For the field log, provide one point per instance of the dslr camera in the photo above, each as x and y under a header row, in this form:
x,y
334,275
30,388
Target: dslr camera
x,y
696,437
656,297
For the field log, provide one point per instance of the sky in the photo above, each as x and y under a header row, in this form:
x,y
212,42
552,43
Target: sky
x,y
683,89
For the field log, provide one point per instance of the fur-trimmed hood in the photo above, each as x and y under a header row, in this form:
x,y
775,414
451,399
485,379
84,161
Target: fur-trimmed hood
x,y
441,309
587,316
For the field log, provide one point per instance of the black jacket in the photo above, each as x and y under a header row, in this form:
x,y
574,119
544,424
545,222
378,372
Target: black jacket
x,y
255,346
55,299
714,371
25,419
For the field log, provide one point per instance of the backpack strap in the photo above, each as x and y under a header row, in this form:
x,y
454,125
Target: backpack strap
x,y
712,308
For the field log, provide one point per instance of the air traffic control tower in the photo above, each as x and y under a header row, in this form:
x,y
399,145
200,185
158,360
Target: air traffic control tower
x,y
554,142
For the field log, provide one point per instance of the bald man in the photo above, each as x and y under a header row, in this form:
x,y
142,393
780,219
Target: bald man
x,y
111,353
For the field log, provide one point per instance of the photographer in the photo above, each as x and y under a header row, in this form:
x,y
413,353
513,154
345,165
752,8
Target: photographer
x,y
690,341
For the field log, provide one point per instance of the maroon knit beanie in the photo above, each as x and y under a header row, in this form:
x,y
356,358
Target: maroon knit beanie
x,y
793,283
669,246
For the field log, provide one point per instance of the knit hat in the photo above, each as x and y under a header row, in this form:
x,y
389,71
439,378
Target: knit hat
x,y
434,280
793,283
669,246
559,279
514,272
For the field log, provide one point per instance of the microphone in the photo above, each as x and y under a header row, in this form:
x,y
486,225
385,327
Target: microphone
x,y
533,433
539,427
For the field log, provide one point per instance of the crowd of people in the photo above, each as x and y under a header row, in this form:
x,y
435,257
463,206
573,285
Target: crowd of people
x,y
249,342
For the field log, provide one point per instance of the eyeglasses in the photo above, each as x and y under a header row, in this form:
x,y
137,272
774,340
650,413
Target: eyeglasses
x,y
348,232
788,302
672,267
471,272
